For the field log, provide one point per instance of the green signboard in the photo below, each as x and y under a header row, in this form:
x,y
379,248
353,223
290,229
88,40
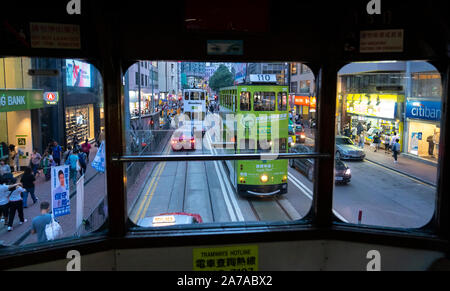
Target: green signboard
x,y
15,100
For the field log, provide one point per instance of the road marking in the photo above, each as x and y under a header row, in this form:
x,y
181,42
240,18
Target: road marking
x,y
309,194
233,208
153,191
399,173
144,199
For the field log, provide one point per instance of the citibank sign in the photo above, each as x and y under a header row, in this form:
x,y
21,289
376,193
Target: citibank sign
x,y
427,110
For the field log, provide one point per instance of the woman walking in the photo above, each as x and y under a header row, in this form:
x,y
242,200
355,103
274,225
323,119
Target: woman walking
x,y
16,204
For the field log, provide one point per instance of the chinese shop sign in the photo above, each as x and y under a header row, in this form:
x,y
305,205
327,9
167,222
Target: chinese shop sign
x,y
234,258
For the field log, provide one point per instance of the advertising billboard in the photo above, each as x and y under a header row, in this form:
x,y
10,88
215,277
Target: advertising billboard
x,y
78,74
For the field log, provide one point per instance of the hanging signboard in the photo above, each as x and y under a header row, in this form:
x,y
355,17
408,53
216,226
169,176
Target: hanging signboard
x,y
381,41
55,35
15,100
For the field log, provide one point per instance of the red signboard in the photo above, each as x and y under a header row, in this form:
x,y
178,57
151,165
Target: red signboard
x,y
312,101
301,100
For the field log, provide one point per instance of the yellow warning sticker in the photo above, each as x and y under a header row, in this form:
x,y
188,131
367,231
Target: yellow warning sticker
x,y
232,258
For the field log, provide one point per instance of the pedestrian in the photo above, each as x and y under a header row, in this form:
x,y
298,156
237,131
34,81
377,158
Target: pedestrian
x,y
56,152
376,141
16,204
396,150
46,164
359,128
4,201
35,162
73,161
39,222
387,141
86,148
361,139
82,158
66,154
27,181
393,139
12,158
354,133
430,140
5,170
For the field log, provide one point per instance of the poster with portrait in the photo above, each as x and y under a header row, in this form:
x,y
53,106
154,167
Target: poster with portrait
x,y
414,142
60,190
78,74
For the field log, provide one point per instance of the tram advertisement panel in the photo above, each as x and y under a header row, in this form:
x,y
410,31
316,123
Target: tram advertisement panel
x,y
60,190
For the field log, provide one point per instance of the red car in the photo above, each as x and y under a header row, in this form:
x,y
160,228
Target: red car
x,y
184,140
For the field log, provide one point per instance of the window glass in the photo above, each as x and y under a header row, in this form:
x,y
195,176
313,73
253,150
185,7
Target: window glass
x,y
195,96
220,191
264,101
387,143
282,101
47,124
245,101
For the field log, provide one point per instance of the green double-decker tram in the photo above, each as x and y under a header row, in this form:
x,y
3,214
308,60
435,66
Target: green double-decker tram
x,y
260,125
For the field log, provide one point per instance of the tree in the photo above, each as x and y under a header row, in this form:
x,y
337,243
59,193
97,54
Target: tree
x,y
221,78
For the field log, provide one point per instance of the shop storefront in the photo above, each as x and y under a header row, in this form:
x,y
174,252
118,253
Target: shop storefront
x,y
423,128
304,106
381,112
79,123
17,108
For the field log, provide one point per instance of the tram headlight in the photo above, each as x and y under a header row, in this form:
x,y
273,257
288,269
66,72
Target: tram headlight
x,y
264,178
284,178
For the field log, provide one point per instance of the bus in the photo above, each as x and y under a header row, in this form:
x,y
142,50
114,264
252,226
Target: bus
x,y
261,126
194,109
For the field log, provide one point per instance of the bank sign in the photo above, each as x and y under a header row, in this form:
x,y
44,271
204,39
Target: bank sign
x,y
15,100
427,110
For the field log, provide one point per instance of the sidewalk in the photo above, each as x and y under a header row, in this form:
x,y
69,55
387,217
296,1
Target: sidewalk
x,y
94,192
422,171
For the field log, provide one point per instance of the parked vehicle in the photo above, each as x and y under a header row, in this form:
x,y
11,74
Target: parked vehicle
x,y
342,173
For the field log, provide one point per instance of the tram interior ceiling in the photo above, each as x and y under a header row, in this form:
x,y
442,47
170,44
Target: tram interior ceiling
x,y
234,135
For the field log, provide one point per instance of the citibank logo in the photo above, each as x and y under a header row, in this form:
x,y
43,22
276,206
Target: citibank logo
x,y
424,110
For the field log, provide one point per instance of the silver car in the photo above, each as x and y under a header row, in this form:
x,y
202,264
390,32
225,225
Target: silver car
x,y
347,150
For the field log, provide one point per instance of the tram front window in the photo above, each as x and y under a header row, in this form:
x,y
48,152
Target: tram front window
x,y
245,119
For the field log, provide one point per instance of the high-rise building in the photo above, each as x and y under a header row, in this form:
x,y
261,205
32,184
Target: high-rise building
x,y
168,79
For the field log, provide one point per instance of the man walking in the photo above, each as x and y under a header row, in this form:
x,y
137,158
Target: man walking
x,y
39,222
56,153
396,150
